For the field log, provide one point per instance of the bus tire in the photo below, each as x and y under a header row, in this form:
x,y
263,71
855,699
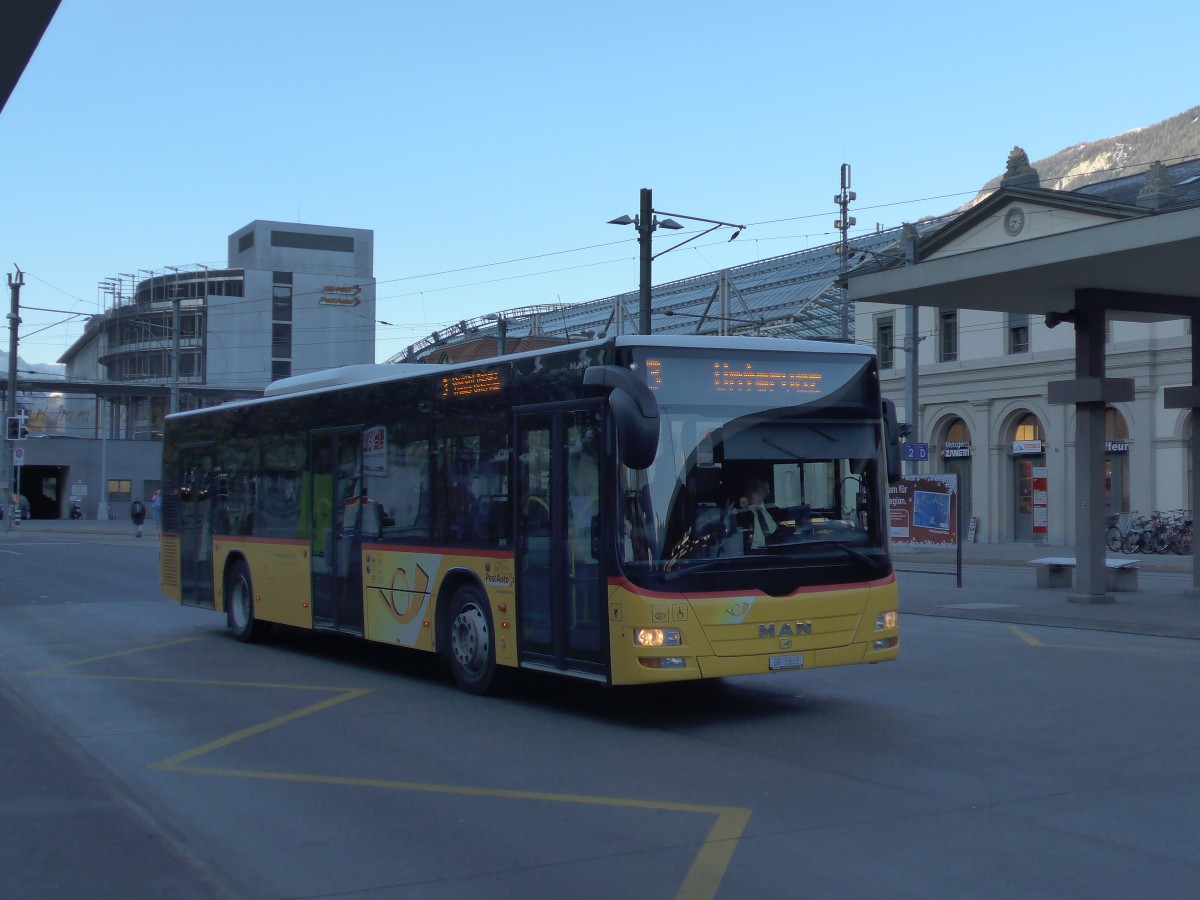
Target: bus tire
x,y
471,644
239,604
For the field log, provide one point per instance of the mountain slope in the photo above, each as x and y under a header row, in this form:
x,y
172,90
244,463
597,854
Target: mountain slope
x,y
1171,140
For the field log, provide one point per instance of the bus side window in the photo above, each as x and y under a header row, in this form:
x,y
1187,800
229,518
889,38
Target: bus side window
x,y
277,488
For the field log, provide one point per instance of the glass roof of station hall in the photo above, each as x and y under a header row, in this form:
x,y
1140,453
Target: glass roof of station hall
x,y
797,295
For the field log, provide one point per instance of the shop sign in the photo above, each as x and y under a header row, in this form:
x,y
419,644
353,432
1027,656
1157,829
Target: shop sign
x,y
341,295
1026,447
1116,446
956,449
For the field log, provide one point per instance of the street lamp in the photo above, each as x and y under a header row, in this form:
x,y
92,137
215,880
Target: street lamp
x,y
646,223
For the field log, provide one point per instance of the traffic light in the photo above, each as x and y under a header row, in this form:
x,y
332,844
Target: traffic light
x,y
16,430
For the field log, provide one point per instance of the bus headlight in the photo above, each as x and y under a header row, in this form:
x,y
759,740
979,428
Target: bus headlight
x,y
657,637
886,620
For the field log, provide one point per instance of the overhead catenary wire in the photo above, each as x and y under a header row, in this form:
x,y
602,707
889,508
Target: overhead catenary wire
x,y
585,248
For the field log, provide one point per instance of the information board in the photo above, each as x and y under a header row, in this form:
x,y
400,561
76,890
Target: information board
x,y
923,510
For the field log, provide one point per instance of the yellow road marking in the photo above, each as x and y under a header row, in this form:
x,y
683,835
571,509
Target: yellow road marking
x,y
174,761
701,882
708,868
130,652
1152,651
1026,636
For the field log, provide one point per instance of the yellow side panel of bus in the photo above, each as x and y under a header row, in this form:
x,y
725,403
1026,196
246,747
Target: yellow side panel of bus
x,y
401,587
169,579
279,573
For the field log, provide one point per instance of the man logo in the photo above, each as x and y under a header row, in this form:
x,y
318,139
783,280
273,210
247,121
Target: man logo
x,y
784,628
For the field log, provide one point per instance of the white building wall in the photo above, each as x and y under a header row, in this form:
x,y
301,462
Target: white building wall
x,y
238,338
333,302
333,322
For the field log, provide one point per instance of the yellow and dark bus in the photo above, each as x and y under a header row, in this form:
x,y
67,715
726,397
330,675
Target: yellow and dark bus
x,y
635,510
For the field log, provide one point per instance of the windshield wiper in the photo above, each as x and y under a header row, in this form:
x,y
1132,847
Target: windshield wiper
x,y
703,565
856,555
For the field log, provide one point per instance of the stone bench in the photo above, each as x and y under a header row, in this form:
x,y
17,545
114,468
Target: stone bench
x,y
1059,572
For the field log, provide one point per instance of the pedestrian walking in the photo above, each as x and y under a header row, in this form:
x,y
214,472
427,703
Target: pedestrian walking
x,y
156,509
137,512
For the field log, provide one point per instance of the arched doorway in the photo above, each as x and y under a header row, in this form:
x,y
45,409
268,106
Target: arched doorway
x,y
1030,523
956,453
1116,462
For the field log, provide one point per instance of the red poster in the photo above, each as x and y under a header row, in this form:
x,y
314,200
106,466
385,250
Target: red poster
x,y
923,509
1041,512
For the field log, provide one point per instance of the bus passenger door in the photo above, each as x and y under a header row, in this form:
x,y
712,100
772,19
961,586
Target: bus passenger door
x,y
195,496
561,620
336,540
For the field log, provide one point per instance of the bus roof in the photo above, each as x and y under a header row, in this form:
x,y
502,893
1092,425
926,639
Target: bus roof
x,y
371,373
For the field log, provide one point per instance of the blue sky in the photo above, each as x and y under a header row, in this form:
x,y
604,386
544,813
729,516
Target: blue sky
x,y
488,144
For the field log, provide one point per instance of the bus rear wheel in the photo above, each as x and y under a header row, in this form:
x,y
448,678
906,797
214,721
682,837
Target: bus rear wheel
x,y
239,604
471,646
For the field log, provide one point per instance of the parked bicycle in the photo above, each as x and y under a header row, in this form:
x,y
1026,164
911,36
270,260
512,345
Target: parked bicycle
x,y
1183,538
1134,540
1181,532
1159,532
1118,527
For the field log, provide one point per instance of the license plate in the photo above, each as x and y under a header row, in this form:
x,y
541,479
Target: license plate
x,y
791,661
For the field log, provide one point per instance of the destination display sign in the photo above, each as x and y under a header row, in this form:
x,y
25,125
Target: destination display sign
x,y
472,384
780,381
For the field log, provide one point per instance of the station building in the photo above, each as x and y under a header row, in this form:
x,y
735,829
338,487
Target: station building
x,y
981,402
978,397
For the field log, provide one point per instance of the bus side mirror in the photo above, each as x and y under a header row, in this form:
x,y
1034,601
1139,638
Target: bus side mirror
x,y
634,411
891,441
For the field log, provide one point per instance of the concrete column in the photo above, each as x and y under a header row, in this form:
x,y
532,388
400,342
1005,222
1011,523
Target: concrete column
x,y
1090,392
1089,500
1189,398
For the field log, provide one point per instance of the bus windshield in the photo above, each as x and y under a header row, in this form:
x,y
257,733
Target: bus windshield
x,y
798,489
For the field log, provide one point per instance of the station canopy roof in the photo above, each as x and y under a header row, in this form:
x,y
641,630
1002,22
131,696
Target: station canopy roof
x,y
796,295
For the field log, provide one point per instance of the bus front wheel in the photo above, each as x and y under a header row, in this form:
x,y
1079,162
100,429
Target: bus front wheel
x,y
239,602
471,648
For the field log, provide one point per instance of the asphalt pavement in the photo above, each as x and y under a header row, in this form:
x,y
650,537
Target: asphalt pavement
x,y
70,829
48,784
998,583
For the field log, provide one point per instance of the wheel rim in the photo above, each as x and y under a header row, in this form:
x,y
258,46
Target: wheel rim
x,y
239,603
470,641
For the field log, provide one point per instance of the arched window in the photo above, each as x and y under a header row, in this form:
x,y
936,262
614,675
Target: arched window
x,y
958,433
1115,428
1028,429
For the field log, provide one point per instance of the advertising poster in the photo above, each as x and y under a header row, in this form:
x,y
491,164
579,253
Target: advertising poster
x,y
1041,511
923,510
